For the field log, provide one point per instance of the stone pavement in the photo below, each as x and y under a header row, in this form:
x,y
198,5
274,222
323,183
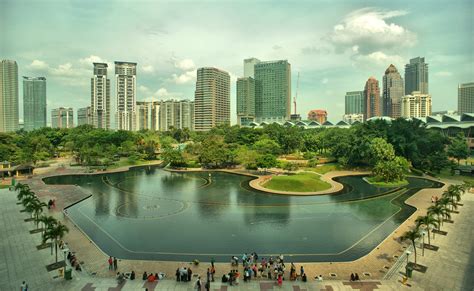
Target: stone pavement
x,y
452,266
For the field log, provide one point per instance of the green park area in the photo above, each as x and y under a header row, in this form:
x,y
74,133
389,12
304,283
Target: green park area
x,y
301,182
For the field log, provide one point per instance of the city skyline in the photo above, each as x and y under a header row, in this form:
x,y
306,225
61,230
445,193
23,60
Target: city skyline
x,y
327,50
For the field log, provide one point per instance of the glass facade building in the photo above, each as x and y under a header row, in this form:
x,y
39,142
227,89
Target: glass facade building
x,y
34,102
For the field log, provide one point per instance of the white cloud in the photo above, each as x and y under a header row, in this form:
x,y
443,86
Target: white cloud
x,y
378,58
87,61
366,30
325,80
185,78
443,74
147,69
162,92
185,64
38,65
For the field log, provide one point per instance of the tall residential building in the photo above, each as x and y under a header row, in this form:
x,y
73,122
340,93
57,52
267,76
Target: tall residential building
x,y
416,105
8,96
147,115
318,115
466,98
178,114
212,98
355,102
84,116
100,97
62,118
34,102
245,100
125,90
249,67
272,91
392,92
372,98
416,76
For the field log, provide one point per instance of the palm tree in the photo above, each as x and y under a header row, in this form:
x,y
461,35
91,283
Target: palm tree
x,y
55,233
37,208
48,222
428,221
28,202
23,193
20,186
411,235
440,211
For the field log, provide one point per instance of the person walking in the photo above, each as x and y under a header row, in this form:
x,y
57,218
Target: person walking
x,y
207,286
115,264
110,264
301,271
24,286
198,283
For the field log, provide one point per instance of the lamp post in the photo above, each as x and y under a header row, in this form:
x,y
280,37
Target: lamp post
x,y
423,233
408,255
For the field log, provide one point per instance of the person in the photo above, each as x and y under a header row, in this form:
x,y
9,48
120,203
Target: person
x,y
224,278
356,277
24,286
320,278
207,286
352,277
190,273
213,271
156,276
178,275
198,283
208,274
120,278
432,199
301,271
115,264
212,262
110,264
132,275
151,278
304,278
145,276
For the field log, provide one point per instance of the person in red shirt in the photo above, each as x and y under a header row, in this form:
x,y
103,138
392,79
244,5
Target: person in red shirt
x,y
110,263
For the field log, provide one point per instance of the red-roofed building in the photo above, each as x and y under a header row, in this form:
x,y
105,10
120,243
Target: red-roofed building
x,y
318,115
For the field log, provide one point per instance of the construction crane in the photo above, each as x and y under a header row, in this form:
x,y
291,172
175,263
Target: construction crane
x,y
296,94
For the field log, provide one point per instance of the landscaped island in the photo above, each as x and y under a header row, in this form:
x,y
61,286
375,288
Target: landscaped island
x,y
300,182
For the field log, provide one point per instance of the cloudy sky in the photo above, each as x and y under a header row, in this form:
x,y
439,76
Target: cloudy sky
x,y
334,45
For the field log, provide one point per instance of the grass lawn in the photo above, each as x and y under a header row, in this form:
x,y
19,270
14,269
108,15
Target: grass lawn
x,y
446,173
324,168
373,181
125,162
302,182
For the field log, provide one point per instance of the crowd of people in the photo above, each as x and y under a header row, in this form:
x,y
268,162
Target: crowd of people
x,y
74,261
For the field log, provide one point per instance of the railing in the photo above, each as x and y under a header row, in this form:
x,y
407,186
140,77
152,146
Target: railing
x,y
395,267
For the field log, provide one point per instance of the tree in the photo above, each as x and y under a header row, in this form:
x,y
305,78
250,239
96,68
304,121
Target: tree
x,y
266,161
48,222
289,166
440,213
412,236
247,157
387,166
173,157
267,146
37,208
55,233
428,221
458,147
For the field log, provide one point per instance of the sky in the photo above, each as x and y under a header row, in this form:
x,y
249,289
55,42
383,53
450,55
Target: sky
x,y
335,46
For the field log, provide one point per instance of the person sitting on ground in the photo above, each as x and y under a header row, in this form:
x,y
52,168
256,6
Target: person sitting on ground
x,y
156,276
178,275
320,277
224,278
161,276
145,276
352,277
356,277
304,278
132,275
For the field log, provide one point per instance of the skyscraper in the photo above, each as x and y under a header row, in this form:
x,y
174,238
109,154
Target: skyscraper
x,y
144,112
178,114
249,67
392,92
100,97
125,90
34,102
62,118
416,76
466,98
272,91
355,102
416,105
212,98
84,116
372,98
8,96
245,100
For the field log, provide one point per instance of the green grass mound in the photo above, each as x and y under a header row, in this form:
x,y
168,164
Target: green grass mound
x,y
375,182
325,168
303,182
